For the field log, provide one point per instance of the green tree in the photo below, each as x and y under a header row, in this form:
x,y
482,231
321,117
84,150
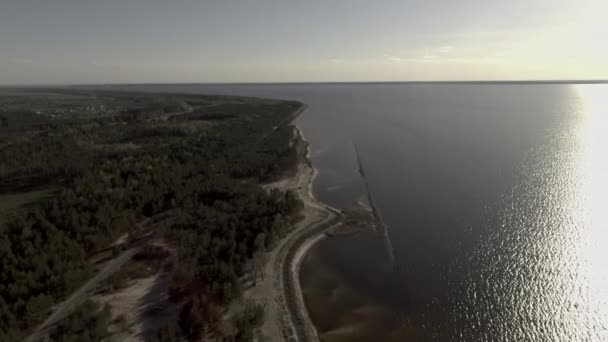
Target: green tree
x,y
37,308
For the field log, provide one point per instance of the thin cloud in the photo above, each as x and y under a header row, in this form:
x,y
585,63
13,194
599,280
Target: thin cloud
x,y
336,61
445,49
393,58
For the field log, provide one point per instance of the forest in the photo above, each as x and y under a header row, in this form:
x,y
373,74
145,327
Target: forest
x,y
199,160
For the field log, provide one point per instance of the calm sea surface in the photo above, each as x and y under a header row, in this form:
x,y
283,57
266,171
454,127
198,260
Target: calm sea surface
x,y
495,198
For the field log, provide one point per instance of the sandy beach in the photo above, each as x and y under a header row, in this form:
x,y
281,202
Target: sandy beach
x,y
279,291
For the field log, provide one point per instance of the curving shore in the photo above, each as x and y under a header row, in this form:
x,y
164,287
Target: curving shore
x,y
279,290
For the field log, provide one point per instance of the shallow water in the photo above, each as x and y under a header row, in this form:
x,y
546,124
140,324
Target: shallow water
x,y
494,197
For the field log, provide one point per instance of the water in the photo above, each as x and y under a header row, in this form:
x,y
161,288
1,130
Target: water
x,y
494,197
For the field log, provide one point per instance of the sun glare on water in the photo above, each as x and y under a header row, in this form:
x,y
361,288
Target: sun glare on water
x,y
593,172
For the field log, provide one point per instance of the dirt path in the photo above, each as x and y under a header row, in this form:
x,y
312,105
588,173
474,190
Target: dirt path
x,y
279,291
66,307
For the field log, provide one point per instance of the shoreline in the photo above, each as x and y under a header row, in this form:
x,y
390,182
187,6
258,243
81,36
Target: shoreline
x,y
303,245
280,291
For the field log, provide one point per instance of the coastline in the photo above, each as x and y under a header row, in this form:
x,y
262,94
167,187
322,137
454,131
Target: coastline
x,y
298,311
279,291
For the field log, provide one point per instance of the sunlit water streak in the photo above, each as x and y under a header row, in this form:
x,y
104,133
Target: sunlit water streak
x,y
541,275
593,202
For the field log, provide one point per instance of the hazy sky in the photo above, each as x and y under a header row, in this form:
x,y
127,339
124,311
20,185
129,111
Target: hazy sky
x,y
82,41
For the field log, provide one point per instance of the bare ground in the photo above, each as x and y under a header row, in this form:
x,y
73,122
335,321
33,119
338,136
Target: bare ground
x,y
140,309
124,304
107,269
66,307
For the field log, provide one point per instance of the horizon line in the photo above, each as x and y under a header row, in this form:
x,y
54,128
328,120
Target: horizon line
x,y
489,82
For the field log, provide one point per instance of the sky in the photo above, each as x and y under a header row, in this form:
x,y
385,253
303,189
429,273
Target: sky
x,y
151,41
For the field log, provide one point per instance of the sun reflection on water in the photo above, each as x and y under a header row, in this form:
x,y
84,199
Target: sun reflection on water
x,y
593,170
538,270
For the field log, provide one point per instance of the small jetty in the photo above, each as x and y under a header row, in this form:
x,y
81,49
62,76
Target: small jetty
x,y
379,224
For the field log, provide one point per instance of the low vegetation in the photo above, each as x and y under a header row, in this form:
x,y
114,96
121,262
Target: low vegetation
x,y
87,324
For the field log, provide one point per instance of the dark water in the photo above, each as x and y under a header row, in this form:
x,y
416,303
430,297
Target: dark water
x,y
495,201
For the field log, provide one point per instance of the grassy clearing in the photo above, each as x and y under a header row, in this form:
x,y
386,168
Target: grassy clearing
x,y
14,203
